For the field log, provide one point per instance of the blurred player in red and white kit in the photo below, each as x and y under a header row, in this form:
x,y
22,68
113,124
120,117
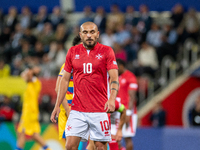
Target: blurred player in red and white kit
x,y
127,92
93,65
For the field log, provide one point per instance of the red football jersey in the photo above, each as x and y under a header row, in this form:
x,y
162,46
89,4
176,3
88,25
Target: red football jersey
x,y
90,74
127,81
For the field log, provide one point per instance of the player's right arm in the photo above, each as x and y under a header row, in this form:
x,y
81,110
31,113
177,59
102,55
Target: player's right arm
x,y
64,83
62,90
64,103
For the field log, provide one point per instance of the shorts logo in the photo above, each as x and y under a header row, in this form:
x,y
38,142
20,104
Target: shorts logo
x,y
107,133
69,127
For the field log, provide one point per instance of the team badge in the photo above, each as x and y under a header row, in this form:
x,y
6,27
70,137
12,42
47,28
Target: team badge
x,y
99,56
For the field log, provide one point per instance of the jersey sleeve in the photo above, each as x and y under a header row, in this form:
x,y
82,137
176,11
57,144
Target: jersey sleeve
x,y
68,61
111,60
133,83
61,70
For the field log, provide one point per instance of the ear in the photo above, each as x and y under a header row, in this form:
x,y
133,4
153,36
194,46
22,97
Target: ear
x,y
98,34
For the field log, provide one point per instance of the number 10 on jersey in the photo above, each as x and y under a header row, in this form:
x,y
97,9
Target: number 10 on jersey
x,y
87,67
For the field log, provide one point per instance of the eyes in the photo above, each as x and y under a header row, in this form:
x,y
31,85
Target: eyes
x,y
91,32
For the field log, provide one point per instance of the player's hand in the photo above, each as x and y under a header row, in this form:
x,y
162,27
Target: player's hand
x,y
109,106
118,136
55,114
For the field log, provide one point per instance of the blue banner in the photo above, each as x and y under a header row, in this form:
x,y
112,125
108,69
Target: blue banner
x,y
154,5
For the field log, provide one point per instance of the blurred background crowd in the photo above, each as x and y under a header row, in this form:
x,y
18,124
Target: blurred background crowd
x,y
136,37
140,38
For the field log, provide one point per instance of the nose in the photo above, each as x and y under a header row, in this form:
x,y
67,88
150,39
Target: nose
x,y
89,35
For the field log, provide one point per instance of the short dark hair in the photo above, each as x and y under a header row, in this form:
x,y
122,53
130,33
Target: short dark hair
x,y
121,62
76,40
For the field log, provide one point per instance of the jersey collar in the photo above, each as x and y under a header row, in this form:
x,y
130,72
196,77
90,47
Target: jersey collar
x,y
95,47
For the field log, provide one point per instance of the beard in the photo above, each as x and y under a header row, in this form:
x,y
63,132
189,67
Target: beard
x,y
90,45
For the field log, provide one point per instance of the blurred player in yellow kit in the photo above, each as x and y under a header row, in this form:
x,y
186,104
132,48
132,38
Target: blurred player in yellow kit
x,y
29,122
65,106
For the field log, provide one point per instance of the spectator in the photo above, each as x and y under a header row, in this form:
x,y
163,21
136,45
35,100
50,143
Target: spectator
x,y
11,19
88,15
158,117
154,36
108,38
177,15
17,35
41,19
144,21
16,66
28,36
60,56
5,36
135,40
147,60
56,17
189,27
38,50
4,69
26,17
120,53
47,34
2,16
100,19
122,36
115,18
53,60
130,19
195,113
47,70
169,43
6,111
61,33
72,35
25,52
14,44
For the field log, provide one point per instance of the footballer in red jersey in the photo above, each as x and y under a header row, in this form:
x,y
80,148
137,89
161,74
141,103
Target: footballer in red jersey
x,y
127,92
94,67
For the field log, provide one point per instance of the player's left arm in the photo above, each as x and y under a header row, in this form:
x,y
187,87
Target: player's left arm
x,y
129,111
132,95
110,104
122,110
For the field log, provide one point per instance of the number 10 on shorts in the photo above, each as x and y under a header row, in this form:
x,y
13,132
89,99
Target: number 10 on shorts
x,y
104,125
